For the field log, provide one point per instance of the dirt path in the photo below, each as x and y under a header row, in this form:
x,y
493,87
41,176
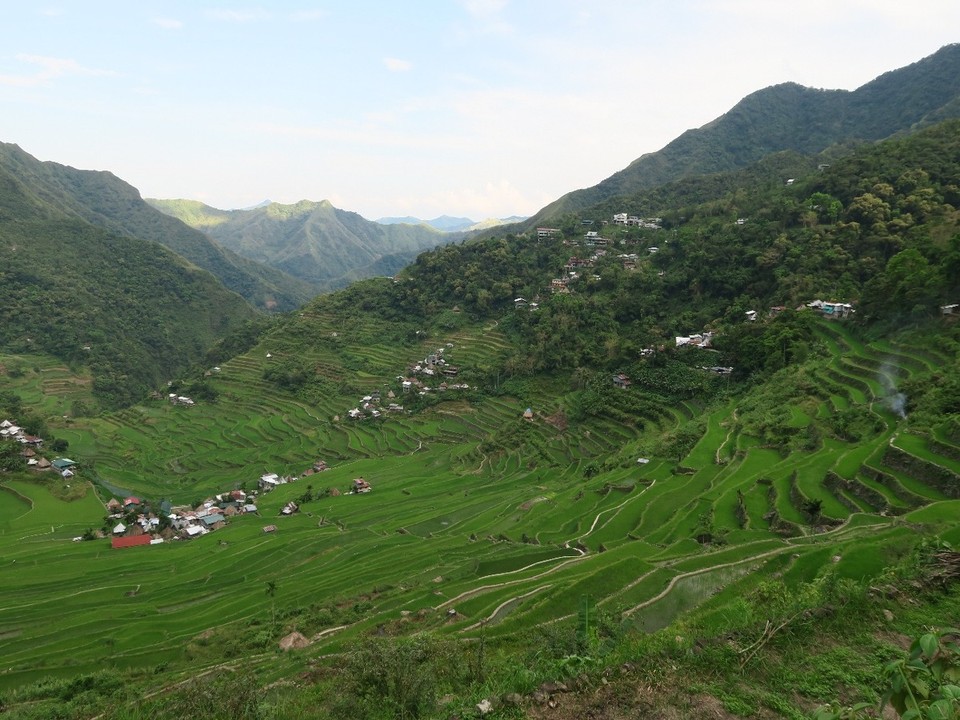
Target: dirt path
x,y
503,605
467,594
617,508
727,438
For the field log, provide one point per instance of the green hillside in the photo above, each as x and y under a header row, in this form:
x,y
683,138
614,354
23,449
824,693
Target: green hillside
x,y
81,289
576,498
787,117
48,190
131,310
313,241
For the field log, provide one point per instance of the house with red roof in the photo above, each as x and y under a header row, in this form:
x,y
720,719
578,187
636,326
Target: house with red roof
x,y
129,541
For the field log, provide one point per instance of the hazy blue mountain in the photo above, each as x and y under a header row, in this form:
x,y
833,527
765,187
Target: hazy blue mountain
x,y
405,220
446,223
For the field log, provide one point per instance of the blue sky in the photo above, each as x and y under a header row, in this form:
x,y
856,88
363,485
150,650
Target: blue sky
x,y
480,108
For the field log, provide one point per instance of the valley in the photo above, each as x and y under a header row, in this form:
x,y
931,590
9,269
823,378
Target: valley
x,y
683,444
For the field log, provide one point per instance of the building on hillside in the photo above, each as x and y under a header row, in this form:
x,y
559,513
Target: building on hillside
x,y
214,521
546,232
703,340
622,381
360,486
832,309
269,481
129,541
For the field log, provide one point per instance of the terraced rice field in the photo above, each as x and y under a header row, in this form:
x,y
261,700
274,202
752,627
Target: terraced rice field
x,y
457,534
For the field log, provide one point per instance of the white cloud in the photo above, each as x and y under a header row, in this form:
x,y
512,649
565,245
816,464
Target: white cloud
x,y
50,68
167,23
397,65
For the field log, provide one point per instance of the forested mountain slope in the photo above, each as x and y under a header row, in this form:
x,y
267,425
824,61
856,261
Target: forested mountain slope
x,y
788,117
102,199
314,241
130,308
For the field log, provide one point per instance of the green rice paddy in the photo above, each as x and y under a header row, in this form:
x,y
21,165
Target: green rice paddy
x,y
459,534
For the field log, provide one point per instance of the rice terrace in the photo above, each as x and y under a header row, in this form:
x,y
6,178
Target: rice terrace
x,y
462,535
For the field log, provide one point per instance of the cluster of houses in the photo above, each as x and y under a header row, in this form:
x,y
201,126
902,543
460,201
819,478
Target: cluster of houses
x,y
621,219
434,365
180,400
572,270
701,340
9,430
521,303
32,447
370,406
186,522
271,481
182,522
650,223
831,309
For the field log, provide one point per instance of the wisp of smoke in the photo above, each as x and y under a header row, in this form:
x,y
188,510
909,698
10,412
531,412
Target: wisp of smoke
x,y
894,399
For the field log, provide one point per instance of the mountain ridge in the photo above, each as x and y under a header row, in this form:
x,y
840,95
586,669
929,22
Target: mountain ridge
x,y
103,199
787,116
312,240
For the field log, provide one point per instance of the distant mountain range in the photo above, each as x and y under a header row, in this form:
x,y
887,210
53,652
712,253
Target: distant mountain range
x,y
446,223
786,117
314,241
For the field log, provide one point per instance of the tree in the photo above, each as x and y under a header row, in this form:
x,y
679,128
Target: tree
x,y
10,457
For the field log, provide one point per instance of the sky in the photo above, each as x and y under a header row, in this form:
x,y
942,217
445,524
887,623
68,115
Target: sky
x,y
476,108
